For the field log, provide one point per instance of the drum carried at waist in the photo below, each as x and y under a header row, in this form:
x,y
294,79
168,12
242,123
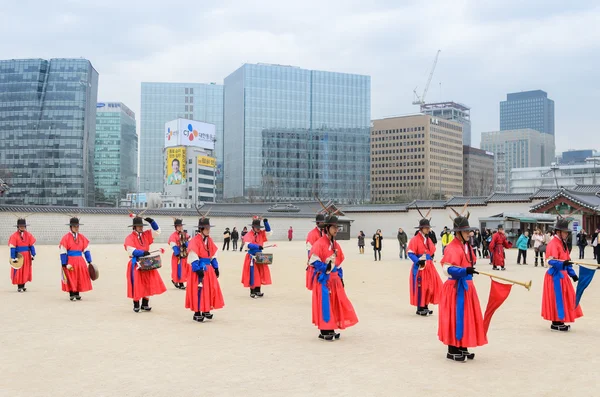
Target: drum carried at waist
x,y
18,264
262,258
149,262
94,272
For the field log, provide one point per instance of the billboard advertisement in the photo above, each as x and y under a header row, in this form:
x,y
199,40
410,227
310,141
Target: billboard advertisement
x,y
176,165
184,132
207,161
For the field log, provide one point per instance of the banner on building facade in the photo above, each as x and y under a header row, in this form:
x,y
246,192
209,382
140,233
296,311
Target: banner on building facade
x,y
207,161
176,165
185,132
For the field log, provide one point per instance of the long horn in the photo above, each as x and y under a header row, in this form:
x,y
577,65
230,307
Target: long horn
x,y
142,213
521,283
207,212
198,211
428,212
418,210
322,205
464,207
453,210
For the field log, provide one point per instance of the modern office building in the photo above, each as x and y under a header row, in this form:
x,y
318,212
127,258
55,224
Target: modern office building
x,y
47,130
529,180
529,109
452,111
576,156
415,157
291,133
478,171
116,152
162,102
517,149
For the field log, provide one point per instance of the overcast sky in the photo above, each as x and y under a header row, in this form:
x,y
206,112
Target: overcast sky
x,y
489,48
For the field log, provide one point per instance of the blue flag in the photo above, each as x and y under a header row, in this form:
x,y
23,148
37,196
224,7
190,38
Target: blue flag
x,y
585,278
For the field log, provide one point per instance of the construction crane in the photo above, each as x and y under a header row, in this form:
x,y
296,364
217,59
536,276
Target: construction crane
x,y
420,100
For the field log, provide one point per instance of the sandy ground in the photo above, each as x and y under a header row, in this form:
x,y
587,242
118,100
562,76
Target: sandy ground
x,y
50,346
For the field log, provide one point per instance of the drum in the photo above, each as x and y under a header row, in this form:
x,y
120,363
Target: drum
x,y
149,262
93,270
18,264
263,259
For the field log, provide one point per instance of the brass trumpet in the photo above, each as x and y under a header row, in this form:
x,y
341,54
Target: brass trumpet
x,y
526,285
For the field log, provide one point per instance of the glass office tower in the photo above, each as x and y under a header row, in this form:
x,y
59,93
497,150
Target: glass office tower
x,y
115,160
47,130
291,133
529,109
162,102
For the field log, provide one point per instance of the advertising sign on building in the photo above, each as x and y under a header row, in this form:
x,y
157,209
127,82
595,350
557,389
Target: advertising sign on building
x,y
207,161
176,165
184,132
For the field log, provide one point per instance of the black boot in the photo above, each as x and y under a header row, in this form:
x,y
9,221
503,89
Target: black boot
x,y
258,293
72,296
421,311
328,335
252,293
136,306
208,315
77,297
21,288
145,307
198,317
465,352
559,326
181,286
430,311
455,355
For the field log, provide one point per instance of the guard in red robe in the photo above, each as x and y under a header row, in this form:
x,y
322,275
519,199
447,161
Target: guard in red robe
x,y
558,294
203,292
141,284
311,238
74,257
497,245
21,242
331,308
178,241
253,274
460,324
424,281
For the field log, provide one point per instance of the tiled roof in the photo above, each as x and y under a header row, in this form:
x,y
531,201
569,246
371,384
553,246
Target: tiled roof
x,y
586,188
375,208
473,201
426,204
544,193
508,198
587,200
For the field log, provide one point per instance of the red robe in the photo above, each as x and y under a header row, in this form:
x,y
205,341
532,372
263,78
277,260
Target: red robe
x,y
496,248
556,250
23,243
341,311
179,266
426,284
311,238
210,297
460,255
78,279
141,283
262,273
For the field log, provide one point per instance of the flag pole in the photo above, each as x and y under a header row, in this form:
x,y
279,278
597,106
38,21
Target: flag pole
x,y
524,284
585,264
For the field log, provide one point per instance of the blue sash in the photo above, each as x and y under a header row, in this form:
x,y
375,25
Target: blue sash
x,y
22,249
461,287
557,275
74,253
325,304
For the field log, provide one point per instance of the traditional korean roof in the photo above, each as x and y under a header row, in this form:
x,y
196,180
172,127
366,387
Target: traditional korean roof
x,y
586,188
587,200
544,193
509,198
426,204
473,201
375,208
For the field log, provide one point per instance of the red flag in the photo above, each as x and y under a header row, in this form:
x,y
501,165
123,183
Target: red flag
x,y
498,294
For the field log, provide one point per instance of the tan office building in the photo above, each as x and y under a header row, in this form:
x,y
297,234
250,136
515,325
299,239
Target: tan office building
x,y
415,157
478,167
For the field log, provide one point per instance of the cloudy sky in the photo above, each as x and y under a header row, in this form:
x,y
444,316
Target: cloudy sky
x,y
489,48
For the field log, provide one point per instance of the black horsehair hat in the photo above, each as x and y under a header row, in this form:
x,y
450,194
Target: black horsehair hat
x,y
178,222
425,219
562,224
256,222
331,220
22,222
74,221
461,222
320,218
203,223
138,221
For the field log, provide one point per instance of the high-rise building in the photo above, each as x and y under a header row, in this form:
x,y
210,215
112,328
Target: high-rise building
x,y
163,102
47,130
291,133
529,109
517,149
452,111
576,156
415,157
555,177
115,157
478,168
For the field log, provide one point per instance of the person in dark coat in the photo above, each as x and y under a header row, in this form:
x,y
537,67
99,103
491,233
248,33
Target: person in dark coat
x,y
377,244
